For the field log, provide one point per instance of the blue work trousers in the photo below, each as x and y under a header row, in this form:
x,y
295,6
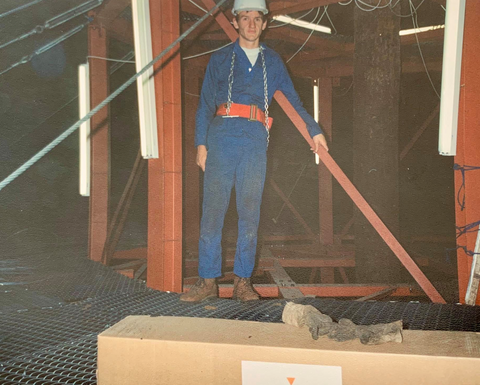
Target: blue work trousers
x,y
236,157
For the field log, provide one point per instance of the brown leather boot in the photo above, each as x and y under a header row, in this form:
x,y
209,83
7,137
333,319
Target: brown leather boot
x,y
204,288
243,290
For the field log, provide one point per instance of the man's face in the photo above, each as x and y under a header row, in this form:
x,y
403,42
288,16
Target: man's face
x,y
250,25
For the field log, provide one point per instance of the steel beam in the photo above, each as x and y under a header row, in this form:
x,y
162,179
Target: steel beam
x,y
100,144
164,255
468,140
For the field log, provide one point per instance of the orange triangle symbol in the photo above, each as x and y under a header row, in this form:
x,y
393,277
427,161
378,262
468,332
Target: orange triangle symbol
x,y
291,380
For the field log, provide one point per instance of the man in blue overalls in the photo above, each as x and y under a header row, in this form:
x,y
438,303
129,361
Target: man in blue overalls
x,y
232,132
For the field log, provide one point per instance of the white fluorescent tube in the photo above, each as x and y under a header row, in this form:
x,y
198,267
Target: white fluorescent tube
x,y
452,64
411,31
315,111
145,86
303,24
84,132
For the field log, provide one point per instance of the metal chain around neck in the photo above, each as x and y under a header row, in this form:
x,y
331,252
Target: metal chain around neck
x,y
230,84
265,87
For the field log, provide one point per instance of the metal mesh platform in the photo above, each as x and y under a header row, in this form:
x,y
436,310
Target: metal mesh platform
x,y
51,317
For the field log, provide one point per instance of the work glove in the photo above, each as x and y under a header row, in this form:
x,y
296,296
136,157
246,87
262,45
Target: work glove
x,y
298,315
378,334
320,324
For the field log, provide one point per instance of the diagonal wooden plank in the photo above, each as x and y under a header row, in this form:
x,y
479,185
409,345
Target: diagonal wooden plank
x,y
363,205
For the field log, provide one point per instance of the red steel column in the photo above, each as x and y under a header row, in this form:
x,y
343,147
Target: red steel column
x,y
192,77
468,142
325,199
100,144
164,256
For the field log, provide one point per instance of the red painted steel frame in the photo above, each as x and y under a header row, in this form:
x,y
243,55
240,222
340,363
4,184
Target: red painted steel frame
x,y
164,260
100,144
468,140
226,291
348,186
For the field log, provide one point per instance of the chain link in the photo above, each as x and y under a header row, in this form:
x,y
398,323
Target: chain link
x,y
230,85
265,93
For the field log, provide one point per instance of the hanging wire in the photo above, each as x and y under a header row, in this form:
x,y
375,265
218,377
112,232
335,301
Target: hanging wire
x,y
39,155
415,26
20,8
47,46
56,21
198,6
207,52
311,33
370,7
115,67
410,14
109,59
461,190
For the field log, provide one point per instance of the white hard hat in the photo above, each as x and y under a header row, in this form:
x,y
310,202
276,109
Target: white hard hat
x,y
249,5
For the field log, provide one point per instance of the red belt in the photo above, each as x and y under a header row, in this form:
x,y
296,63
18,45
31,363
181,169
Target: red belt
x,y
251,112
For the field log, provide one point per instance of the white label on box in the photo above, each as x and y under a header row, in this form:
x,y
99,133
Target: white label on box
x,y
272,373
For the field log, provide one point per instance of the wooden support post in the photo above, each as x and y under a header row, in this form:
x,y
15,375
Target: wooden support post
x,y
468,140
121,212
164,260
377,68
100,144
286,286
325,199
192,87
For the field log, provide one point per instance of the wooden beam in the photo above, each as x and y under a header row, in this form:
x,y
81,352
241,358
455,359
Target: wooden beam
x,y
362,204
110,10
164,269
100,144
378,295
335,290
121,30
286,285
285,8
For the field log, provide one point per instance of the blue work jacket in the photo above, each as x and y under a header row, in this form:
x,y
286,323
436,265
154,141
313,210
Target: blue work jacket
x,y
248,87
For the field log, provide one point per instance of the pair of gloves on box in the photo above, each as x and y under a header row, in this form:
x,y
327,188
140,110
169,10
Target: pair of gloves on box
x,y
321,324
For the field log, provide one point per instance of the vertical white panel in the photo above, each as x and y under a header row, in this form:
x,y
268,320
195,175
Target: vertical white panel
x,y
451,71
84,132
315,110
145,86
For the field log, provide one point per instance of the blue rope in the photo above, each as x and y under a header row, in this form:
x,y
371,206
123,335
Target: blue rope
x,y
470,253
470,228
461,190
14,175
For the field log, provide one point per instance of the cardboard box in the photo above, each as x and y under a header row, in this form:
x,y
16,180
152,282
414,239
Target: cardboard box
x,y
180,350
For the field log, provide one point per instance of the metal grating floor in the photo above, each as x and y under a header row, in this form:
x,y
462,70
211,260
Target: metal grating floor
x,y
53,309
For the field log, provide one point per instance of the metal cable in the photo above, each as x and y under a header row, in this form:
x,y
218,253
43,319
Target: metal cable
x,y
47,46
20,8
56,20
112,96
